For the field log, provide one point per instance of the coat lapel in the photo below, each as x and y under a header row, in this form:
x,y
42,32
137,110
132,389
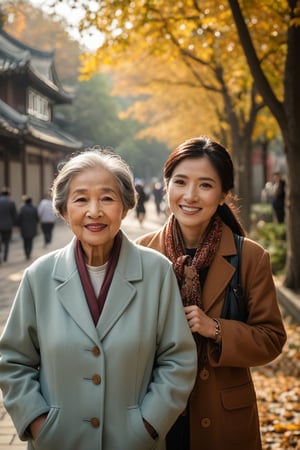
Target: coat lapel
x,y
70,291
220,272
120,294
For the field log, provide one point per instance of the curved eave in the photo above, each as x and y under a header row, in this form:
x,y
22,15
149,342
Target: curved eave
x,y
48,87
16,46
8,129
12,122
9,66
52,136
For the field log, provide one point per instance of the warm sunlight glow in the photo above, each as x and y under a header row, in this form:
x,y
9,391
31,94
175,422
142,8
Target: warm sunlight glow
x,y
91,39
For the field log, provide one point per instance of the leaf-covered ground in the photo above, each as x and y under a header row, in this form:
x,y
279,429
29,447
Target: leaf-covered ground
x,y
278,393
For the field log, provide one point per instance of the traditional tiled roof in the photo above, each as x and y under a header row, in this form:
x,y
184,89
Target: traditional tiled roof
x,y
11,122
17,57
52,134
14,124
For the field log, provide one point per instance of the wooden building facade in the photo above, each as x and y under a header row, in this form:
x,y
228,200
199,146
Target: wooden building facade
x,y
31,143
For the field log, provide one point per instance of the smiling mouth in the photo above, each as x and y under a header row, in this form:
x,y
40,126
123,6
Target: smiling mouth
x,y
190,209
97,227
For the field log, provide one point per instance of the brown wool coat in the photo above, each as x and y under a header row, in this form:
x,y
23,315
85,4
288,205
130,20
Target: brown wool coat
x,y
223,410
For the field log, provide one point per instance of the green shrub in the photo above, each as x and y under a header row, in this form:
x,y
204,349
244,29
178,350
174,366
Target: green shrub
x,y
272,236
261,211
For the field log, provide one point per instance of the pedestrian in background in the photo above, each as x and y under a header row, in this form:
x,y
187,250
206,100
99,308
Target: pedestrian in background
x,y
198,238
97,353
27,220
158,193
47,218
8,219
142,198
278,196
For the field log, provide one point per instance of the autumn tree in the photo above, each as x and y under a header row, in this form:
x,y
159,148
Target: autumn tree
x,y
199,39
271,51
286,110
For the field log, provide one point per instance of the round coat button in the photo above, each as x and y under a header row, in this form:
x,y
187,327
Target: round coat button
x,y
205,422
96,379
95,422
96,351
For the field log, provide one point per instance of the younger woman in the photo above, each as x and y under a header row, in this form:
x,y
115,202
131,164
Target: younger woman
x,y
198,238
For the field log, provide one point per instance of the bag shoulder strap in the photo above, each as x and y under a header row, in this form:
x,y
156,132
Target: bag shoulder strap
x,y
235,260
234,304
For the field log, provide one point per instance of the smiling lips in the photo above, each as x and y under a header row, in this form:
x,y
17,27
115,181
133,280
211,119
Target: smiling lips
x,y
190,209
94,227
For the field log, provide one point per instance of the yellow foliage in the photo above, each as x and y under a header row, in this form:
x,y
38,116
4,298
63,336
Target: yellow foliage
x,y
179,59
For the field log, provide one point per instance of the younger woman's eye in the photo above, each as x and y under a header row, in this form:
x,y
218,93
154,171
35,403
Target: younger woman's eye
x,y
206,185
178,181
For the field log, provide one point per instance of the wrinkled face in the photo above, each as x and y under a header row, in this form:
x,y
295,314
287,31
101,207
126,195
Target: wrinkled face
x,y
94,209
194,193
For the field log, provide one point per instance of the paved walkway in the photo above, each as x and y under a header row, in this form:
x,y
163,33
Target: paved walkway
x,y
10,276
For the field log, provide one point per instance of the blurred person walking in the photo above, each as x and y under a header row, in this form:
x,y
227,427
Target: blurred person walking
x,y
47,218
27,220
8,218
142,198
158,193
278,197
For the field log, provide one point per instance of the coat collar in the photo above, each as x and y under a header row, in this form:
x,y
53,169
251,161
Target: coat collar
x,y
120,294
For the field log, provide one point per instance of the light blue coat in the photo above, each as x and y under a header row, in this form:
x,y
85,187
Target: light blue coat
x,y
96,383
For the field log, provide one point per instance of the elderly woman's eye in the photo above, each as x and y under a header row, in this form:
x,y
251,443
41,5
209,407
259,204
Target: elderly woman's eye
x,y
107,198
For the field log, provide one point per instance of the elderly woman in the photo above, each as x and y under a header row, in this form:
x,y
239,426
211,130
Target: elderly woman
x,y
97,353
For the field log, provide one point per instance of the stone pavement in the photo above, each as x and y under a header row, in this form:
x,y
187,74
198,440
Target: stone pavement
x,y
10,276
11,273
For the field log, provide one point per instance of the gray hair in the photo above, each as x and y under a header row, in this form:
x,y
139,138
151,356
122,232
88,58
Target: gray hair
x,y
88,159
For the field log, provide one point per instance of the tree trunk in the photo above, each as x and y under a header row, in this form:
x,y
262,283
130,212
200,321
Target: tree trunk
x,y
242,151
291,134
292,275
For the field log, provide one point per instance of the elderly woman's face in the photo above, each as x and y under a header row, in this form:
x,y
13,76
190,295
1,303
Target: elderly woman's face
x,y
94,208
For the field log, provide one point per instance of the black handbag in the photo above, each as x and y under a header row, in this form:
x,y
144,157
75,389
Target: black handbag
x,y
235,307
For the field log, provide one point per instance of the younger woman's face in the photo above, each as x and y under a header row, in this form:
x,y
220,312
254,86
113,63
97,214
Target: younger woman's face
x,y
194,193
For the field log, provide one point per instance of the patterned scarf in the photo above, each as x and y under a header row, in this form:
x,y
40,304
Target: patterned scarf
x,y
187,268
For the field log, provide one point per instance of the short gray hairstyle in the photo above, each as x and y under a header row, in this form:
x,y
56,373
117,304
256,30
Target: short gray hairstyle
x,y
90,158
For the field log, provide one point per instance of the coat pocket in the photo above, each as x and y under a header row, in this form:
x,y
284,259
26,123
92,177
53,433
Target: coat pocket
x,y
240,422
238,397
46,436
139,436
